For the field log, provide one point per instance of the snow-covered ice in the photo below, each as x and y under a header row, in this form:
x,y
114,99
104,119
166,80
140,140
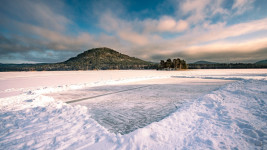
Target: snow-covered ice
x,y
125,108
226,109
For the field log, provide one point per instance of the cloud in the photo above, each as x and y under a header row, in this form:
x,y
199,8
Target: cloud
x,y
61,46
222,57
58,41
242,5
181,25
37,38
133,37
32,27
169,24
248,46
220,31
122,29
31,39
111,23
43,14
192,32
194,7
166,24
140,32
197,11
212,39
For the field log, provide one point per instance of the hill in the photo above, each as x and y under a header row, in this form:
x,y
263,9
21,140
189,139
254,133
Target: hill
x,y
105,58
97,58
204,62
262,62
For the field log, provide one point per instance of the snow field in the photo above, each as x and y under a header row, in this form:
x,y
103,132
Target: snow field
x,y
16,83
231,117
46,124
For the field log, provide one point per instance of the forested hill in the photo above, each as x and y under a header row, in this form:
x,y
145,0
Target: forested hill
x,y
105,58
93,59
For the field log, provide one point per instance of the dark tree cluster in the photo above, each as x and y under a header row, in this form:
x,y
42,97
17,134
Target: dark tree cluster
x,y
176,64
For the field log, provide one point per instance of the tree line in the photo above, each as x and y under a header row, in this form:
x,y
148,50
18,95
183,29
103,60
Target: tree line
x,y
226,66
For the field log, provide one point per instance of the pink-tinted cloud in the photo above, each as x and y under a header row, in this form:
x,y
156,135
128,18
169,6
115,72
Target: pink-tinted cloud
x,y
247,46
133,37
169,24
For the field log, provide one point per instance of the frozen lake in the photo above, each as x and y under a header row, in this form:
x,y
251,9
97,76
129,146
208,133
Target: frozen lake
x,y
134,109
124,108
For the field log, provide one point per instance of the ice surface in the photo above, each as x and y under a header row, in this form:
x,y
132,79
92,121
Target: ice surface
x,y
232,116
16,83
125,108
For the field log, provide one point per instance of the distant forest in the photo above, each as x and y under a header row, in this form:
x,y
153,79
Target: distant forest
x,y
168,65
226,66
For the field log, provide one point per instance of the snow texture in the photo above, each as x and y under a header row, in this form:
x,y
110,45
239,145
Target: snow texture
x,y
225,115
125,108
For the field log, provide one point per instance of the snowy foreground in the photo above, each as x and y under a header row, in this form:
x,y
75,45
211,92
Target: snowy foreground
x,y
195,109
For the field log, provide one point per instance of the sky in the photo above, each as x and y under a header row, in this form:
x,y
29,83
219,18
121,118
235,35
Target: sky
x,y
48,31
